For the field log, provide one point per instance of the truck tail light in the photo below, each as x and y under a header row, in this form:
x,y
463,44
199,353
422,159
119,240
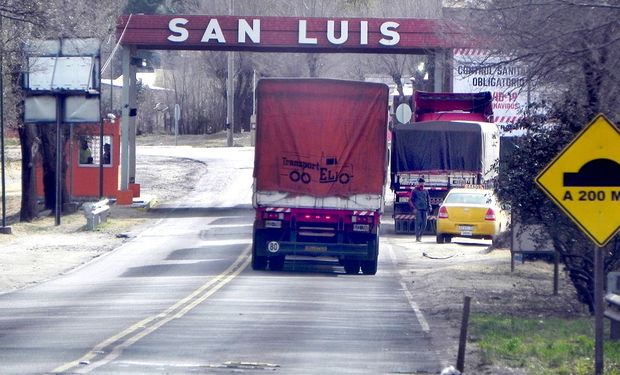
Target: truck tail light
x,y
443,212
273,219
490,215
273,215
361,219
318,217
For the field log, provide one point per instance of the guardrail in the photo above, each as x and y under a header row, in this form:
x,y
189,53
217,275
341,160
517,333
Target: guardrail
x,y
96,213
612,312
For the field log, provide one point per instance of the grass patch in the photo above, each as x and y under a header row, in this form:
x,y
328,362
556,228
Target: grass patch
x,y
545,346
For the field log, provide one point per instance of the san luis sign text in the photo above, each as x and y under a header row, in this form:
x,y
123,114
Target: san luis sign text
x,y
289,34
251,33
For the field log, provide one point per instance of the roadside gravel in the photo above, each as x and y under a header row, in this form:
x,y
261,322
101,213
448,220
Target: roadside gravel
x,y
40,250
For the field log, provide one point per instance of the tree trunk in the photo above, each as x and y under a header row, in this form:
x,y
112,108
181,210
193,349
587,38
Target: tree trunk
x,y
29,146
48,162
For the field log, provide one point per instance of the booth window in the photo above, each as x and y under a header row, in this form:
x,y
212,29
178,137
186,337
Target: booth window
x,y
90,150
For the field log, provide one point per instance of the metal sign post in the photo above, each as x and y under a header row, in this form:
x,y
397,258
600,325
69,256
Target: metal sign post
x,y
599,307
58,186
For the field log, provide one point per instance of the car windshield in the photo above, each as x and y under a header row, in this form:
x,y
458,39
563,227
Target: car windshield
x,y
468,198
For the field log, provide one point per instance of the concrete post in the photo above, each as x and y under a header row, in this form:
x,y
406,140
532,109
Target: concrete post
x,y
128,120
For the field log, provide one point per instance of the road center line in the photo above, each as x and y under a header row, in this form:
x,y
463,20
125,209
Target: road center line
x,y
117,343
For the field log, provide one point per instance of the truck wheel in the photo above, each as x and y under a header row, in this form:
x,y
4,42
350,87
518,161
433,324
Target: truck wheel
x,y
351,266
276,263
259,263
369,267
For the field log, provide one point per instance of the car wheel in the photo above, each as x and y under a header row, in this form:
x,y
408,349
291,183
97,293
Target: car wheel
x,y
440,238
447,238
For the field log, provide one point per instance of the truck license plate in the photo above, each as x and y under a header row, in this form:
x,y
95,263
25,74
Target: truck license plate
x,y
316,249
361,227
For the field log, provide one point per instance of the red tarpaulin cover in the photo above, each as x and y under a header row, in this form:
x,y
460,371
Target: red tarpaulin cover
x,y
321,137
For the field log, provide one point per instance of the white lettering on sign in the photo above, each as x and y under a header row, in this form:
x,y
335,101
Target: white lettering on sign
x,y
175,26
213,31
363,33
475,71
252,32
245,31
303,31
331,32
388,29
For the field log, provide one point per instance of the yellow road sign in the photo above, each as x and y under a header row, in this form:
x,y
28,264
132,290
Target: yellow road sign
x,y
584,180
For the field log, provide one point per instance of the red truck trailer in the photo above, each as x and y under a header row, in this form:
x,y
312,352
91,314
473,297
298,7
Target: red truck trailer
x,y
319,171
451,142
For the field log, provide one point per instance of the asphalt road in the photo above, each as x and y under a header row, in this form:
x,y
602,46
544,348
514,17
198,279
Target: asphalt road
x,y
181,298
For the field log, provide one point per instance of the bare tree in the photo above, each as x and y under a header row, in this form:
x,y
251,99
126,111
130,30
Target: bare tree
x,y
566,43
572,50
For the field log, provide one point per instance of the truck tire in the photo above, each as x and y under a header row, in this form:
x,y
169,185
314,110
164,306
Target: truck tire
x,y
369,267
351,266
259,263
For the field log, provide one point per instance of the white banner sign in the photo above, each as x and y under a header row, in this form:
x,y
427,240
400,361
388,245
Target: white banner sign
x,y
507,83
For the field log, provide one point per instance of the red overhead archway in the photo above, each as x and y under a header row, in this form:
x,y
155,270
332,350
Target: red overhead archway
x,y
290,34
436,37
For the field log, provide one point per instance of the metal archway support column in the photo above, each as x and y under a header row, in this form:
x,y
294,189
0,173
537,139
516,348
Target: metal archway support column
x,y
128,120
442,74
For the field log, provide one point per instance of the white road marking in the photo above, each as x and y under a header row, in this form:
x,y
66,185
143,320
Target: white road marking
x,y
414,306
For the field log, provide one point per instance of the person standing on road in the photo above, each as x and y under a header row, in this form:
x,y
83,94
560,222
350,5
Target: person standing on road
x,y
420,201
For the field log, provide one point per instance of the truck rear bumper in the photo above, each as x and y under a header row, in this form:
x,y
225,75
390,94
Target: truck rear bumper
x,y
283,248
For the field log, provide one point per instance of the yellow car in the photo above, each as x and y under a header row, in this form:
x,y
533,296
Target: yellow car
x,y
471,213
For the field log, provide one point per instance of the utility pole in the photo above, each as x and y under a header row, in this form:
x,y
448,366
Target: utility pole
x,y
3,229
230,98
